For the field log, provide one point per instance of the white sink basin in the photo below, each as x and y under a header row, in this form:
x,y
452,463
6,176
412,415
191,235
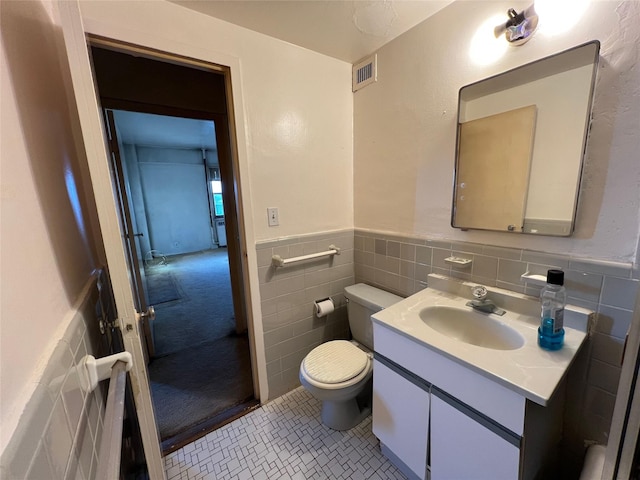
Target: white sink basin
x,y
502,348
472,327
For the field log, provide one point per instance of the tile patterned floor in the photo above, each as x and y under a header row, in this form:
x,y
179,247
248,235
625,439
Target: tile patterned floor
x,y
283,439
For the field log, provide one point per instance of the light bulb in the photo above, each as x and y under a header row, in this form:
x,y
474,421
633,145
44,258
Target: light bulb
x,y
485,47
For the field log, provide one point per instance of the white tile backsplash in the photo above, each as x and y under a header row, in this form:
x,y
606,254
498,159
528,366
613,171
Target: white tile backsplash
x,y
604,376
484,267
407,251
613,321
599,402
509,271
607,349
502,252
583,285
619,292
552,260
611,269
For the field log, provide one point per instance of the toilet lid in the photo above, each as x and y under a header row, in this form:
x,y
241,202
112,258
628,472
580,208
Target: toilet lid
x,y
335,362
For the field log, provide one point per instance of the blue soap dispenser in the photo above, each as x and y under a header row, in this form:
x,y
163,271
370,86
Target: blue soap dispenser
x,y
553,298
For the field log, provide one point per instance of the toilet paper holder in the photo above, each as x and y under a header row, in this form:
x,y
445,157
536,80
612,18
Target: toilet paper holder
x,y
324,307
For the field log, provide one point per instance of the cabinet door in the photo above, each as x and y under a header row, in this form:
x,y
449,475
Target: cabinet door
x,y
401,418
462,448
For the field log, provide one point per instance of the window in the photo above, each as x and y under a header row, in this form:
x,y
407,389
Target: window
x,y
216,189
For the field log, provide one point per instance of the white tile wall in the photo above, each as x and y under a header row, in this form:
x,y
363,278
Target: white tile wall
x,y
401,264
287,293
58,434
605,287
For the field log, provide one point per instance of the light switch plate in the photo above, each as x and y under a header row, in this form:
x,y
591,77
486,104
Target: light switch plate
x,y
272,215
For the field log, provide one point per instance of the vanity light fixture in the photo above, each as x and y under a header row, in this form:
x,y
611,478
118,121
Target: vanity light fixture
x,y
520,27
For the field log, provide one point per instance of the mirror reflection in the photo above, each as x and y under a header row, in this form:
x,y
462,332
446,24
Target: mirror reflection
x,y
521,140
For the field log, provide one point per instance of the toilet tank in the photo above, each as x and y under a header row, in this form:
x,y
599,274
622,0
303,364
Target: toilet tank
x,y
364,301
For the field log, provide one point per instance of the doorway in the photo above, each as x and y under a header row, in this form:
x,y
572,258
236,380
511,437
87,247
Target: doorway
x,y
170,153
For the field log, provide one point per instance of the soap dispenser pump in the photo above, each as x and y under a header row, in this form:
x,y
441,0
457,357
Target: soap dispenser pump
x,y
553,298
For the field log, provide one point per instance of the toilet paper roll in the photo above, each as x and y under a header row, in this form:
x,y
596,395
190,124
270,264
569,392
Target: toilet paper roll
x,y
593,463
324,307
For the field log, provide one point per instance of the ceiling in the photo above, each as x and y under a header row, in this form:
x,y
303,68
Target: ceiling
x,y
162,131
344,29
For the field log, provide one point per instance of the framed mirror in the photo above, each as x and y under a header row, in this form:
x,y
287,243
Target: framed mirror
x,y
520,145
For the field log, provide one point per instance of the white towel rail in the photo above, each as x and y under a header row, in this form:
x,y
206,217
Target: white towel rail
x,y
87,375
278,261
111,442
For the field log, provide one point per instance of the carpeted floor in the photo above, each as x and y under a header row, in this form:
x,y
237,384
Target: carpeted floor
x,y
201,367
203,309
182,399
162,288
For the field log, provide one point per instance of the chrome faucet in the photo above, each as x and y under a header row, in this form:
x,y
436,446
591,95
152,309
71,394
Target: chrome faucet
x,y
481,303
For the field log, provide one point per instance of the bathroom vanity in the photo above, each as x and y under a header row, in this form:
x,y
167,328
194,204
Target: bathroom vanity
x,y
463,394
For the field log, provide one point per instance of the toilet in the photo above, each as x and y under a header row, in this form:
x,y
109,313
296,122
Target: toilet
x,y
339,373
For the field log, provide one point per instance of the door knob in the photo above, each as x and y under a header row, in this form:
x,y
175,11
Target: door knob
x,y
150,314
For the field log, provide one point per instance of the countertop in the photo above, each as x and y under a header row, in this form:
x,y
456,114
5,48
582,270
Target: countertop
x,y
529,370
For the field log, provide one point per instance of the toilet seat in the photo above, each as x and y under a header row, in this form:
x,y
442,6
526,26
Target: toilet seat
x,y
335,362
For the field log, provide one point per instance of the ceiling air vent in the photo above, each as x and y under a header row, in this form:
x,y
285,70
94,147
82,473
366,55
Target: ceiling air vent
x,y
365,72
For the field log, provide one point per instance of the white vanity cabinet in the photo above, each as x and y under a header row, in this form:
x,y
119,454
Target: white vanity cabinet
x,y
462,447
460,394
433,414
401,419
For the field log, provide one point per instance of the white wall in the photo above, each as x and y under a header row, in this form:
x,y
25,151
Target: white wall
x,y
405,130
297,112
174,187
47,231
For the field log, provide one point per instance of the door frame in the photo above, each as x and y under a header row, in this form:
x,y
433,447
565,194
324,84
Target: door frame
x,y
228,167
91,144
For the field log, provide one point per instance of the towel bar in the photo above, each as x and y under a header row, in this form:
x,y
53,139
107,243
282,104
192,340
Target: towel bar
x,y
278,261
111,442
